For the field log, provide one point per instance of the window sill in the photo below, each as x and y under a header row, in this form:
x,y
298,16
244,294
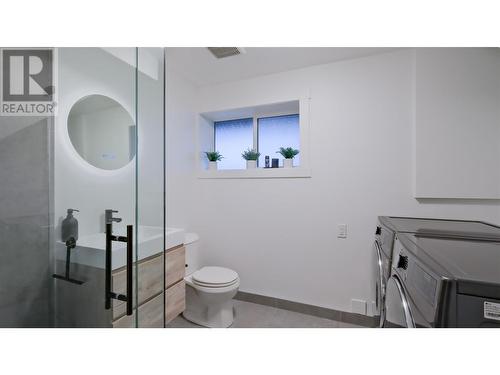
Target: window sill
x,y
296,172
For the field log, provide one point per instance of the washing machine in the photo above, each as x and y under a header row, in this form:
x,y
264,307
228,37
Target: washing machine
x,y
443,282
382,252
387,230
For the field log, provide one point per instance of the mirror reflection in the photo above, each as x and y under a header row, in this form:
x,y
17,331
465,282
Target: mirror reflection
x,y
102,132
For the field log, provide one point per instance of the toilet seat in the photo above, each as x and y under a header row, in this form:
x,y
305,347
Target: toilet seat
x,y
197,283
215,277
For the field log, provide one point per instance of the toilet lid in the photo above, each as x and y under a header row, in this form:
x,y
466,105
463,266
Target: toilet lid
x,y
214,276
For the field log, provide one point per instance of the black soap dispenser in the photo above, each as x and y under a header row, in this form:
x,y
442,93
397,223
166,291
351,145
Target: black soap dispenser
x,y
69,228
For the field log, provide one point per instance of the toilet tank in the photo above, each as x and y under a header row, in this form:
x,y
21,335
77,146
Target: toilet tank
x,y
192,244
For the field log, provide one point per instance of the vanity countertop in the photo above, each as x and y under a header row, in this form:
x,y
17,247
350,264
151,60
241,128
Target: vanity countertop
x,y
90,249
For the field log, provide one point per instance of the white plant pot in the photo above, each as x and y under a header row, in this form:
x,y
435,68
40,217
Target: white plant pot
x,y
251,164
212,165
287,163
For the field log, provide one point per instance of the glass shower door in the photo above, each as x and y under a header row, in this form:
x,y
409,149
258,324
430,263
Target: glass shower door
x,y
108,165
150,188
82,191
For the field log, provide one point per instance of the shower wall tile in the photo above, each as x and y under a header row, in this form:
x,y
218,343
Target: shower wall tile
x,y
24,227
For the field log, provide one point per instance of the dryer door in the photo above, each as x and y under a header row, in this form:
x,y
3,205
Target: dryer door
x,y
398,313
378,273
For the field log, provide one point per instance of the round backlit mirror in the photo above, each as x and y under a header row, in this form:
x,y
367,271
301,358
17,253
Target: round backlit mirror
x,y
102,132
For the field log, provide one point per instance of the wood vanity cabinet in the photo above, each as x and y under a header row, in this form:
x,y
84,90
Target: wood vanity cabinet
x,y
149,295
150,315
175,270
155,273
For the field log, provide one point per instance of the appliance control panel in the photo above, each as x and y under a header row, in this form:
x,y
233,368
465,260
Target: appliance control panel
x,y
403,261
400,260
415,276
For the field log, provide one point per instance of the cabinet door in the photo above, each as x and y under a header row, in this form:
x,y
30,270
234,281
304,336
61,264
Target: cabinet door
x,y
150,283
175,301
150,315
175,265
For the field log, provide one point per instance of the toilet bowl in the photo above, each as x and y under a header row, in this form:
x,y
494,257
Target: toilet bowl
x,y
209,290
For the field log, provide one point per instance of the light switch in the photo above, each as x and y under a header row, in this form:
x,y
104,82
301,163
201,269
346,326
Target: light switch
x,y
342,231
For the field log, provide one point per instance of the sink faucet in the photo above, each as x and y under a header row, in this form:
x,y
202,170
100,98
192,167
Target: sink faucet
x,y
108,217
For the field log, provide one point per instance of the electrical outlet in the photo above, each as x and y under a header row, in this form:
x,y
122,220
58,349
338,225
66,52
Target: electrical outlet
x,y
371,308
358,306
342,231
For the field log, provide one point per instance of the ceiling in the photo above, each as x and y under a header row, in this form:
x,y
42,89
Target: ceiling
x,y
200,67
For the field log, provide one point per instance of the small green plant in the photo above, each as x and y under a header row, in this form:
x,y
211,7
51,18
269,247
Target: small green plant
x,y
250,154
213,155
288,153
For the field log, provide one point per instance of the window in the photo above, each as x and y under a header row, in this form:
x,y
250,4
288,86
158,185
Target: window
x,y
231,139
265,134
275,132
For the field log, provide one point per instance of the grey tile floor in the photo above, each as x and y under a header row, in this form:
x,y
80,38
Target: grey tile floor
x,y
252,315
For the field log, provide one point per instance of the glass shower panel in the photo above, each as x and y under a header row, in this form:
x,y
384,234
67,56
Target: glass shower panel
x,y
82,234
150,189
95,168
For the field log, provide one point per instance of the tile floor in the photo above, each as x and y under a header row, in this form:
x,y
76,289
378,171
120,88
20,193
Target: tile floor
x,y
252,315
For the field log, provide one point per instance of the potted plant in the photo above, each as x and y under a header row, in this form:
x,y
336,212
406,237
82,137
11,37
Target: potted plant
x,y
251,157
288,153
213,157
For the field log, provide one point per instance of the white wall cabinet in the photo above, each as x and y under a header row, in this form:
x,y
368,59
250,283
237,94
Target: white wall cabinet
x,y
457,123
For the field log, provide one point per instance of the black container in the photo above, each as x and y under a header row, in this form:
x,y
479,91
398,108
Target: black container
x,y
275,163
69,226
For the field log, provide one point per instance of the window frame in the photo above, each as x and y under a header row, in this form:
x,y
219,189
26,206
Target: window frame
x,y
255,127
281,114
214,148
205,127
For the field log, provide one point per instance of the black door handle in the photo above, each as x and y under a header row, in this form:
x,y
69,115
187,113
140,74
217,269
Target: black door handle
x,y
107,287
129,268
108,293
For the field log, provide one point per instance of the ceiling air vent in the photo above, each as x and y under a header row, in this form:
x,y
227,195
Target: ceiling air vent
x,y
221,52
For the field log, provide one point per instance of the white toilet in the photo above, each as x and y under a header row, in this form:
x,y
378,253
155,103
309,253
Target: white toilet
x,y
209,290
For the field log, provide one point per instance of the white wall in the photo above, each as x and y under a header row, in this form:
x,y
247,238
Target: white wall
x,y
458,123
180,143
280,234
